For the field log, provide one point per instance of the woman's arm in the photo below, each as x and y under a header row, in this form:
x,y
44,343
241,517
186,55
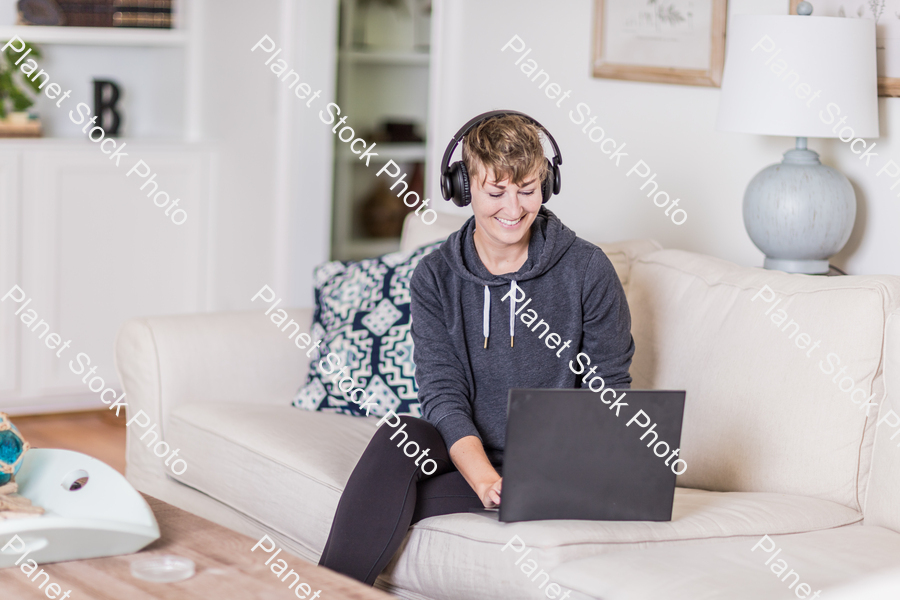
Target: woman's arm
x,y
443,380
444,388
469,457
607,322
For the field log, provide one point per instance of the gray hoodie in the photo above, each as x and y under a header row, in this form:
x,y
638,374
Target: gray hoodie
x,y
457,304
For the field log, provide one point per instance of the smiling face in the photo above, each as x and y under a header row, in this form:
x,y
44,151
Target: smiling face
x,y
505,161
503,210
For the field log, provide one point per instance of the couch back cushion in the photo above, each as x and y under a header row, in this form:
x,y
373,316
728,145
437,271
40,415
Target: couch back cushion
x,y
770,397
883,495
416,233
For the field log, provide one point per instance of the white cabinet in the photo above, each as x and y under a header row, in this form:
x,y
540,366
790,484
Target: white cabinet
x,y
91,250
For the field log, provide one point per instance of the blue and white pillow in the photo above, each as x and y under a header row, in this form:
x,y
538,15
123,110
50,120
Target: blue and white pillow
x,y
362,315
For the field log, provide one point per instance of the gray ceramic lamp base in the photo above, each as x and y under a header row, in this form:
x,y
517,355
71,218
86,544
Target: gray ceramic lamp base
x,y
799,212
811,267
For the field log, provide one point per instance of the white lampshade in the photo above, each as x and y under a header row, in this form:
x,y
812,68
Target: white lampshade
x,y
775,65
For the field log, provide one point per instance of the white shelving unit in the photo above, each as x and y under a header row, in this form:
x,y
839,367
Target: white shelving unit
x,y
159,67
96,36
411,152
385,57
374,85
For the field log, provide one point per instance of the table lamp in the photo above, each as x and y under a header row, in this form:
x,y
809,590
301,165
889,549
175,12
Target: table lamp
x,y
800,76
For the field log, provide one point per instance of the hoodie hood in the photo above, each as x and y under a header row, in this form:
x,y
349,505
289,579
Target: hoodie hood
x,y
550,239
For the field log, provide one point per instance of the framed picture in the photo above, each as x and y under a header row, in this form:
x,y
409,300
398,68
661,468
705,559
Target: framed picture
x,y
665,41
887,33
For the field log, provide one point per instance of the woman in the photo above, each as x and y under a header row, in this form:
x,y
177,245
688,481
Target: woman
x,y
460,294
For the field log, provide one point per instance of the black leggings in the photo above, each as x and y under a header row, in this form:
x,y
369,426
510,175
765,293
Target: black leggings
x,y
386,494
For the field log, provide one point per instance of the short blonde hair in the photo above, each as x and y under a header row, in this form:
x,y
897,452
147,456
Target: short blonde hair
x,y
510,145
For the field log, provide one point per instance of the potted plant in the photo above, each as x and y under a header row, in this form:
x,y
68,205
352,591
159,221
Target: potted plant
x,y
14,101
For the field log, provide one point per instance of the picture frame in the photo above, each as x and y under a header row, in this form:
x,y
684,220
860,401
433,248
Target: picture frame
x,y
661,41
887,22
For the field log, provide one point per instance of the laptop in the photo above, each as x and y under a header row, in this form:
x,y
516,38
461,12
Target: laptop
x,y
568,456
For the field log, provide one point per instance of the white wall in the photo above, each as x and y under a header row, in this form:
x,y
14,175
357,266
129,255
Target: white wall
x,y
670,127
272,181
311,143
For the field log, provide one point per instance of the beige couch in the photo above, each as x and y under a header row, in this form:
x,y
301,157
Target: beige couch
x,y
774,445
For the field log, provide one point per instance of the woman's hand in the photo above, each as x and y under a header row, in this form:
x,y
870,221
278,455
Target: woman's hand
x,y
490,493
469,457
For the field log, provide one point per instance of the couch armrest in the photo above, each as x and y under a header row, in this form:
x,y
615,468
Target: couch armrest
x,y
220,357
883,493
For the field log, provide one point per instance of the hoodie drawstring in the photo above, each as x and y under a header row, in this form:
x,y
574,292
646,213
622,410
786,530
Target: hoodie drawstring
x,y
512,312
486,322
486,326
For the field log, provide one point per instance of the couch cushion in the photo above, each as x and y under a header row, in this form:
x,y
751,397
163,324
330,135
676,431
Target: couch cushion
x,y
731,569
278,465
761,414
884,585
473,543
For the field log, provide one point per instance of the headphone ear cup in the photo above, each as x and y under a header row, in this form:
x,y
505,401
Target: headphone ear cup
x,y
459,177
557,179
547,183
451,186
446,185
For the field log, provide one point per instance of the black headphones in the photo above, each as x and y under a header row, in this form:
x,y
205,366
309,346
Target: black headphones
x,y
455,177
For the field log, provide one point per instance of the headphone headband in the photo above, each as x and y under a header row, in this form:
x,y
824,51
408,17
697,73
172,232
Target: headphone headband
x,y
457,138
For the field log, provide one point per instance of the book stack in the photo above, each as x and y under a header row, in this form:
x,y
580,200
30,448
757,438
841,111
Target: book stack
x,y
142,13
87,13
155,14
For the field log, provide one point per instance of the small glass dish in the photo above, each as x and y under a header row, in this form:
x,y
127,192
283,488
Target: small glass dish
x,y
163,569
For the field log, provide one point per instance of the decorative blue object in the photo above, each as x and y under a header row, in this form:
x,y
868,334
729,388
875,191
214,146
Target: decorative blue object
x,y
362,315
12,449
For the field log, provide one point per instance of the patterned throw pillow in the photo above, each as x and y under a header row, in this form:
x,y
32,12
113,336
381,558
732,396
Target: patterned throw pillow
x,y
362,315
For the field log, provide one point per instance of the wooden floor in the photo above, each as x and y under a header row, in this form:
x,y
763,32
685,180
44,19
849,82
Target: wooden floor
x,y
97,433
